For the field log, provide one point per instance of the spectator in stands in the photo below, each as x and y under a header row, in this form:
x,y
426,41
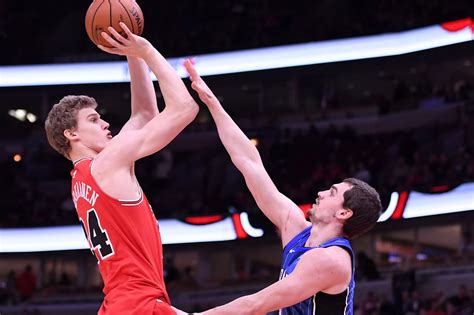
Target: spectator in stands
x,y
8,294
367,268
467,245
26,283
162,169
189,279
433,309
461,302
402,284
386,307
369,305
170,272
412,305
471,296
65,279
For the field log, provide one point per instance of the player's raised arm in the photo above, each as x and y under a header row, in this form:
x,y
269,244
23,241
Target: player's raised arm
x,y
143,98
179,111
174,91
278,208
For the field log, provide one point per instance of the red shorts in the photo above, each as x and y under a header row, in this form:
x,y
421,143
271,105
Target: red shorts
x,y
162,308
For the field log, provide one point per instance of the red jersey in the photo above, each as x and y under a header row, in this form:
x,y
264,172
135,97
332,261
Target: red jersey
x,y
124,237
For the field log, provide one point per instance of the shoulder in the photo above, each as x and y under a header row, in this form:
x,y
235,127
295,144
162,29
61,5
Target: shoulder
x,y
332,259
118,151
80,168
323,269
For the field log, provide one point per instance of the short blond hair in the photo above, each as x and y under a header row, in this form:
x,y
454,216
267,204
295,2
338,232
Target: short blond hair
x,y
63,116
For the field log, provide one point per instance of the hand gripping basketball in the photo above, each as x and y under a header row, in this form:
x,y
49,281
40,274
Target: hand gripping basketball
x,y
129,45
103,14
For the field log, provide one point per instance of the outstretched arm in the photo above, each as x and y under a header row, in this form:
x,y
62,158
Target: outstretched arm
x,y
285,214
179,111
143,102
321,269
174,91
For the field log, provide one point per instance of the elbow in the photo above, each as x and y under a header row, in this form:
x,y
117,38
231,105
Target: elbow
x,y
193,109
185,113
190,110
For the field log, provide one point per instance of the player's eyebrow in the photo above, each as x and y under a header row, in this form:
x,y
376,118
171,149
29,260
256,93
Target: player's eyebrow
x,y
335,188
93,114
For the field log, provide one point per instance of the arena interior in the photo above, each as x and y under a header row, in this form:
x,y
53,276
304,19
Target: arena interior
x,y
403,121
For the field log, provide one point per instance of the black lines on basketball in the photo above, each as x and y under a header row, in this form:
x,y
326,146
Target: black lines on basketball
x,y
93,31
103,14
110,14
129,17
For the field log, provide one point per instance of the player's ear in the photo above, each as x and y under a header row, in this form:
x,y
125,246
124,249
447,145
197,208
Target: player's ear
x,y
70,134
344,214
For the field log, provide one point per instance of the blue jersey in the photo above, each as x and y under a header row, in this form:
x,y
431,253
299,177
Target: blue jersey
x,y
321,303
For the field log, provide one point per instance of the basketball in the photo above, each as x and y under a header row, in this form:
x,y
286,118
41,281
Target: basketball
x,y
104,13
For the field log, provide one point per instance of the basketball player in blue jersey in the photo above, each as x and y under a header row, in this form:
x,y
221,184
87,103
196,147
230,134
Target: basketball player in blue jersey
x,y
317,274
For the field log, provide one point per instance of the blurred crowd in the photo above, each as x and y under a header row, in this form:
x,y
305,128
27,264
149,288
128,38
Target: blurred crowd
x,y
413,303
199,181
300,157
18,288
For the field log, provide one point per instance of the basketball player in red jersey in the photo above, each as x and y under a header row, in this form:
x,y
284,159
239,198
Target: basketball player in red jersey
x,y
118,221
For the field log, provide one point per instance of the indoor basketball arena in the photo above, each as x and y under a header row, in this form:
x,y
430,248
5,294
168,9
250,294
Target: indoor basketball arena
x,y
237,157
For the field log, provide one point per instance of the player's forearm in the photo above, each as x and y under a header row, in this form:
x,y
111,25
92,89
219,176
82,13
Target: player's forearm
x,y
159,132
244,305
143,96
274,297
174,91
233,138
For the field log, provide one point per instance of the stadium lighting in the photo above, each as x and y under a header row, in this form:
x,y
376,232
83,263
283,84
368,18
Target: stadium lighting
x,y
312,53
22,115
43,239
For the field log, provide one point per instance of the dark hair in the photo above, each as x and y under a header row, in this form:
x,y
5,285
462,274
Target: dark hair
x,y
364,201
63,116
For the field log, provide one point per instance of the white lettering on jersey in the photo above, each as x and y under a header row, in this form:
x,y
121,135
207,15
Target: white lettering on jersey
x,y
82,190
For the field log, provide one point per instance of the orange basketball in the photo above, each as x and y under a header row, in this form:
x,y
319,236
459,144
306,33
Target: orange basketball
x,y
104,13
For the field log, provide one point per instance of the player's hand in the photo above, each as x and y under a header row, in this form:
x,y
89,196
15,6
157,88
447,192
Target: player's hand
x,y
198,85
133,45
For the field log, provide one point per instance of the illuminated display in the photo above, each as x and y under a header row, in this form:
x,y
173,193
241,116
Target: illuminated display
x,y
253,59
217,228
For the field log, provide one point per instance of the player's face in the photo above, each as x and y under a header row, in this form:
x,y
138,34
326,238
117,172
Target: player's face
x,y
328,203
93,132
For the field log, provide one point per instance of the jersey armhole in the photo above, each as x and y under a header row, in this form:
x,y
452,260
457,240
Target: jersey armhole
x,y
351,255
295,239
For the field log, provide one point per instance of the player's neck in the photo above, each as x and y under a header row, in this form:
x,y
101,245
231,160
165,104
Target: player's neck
x,y
82,153
321,234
